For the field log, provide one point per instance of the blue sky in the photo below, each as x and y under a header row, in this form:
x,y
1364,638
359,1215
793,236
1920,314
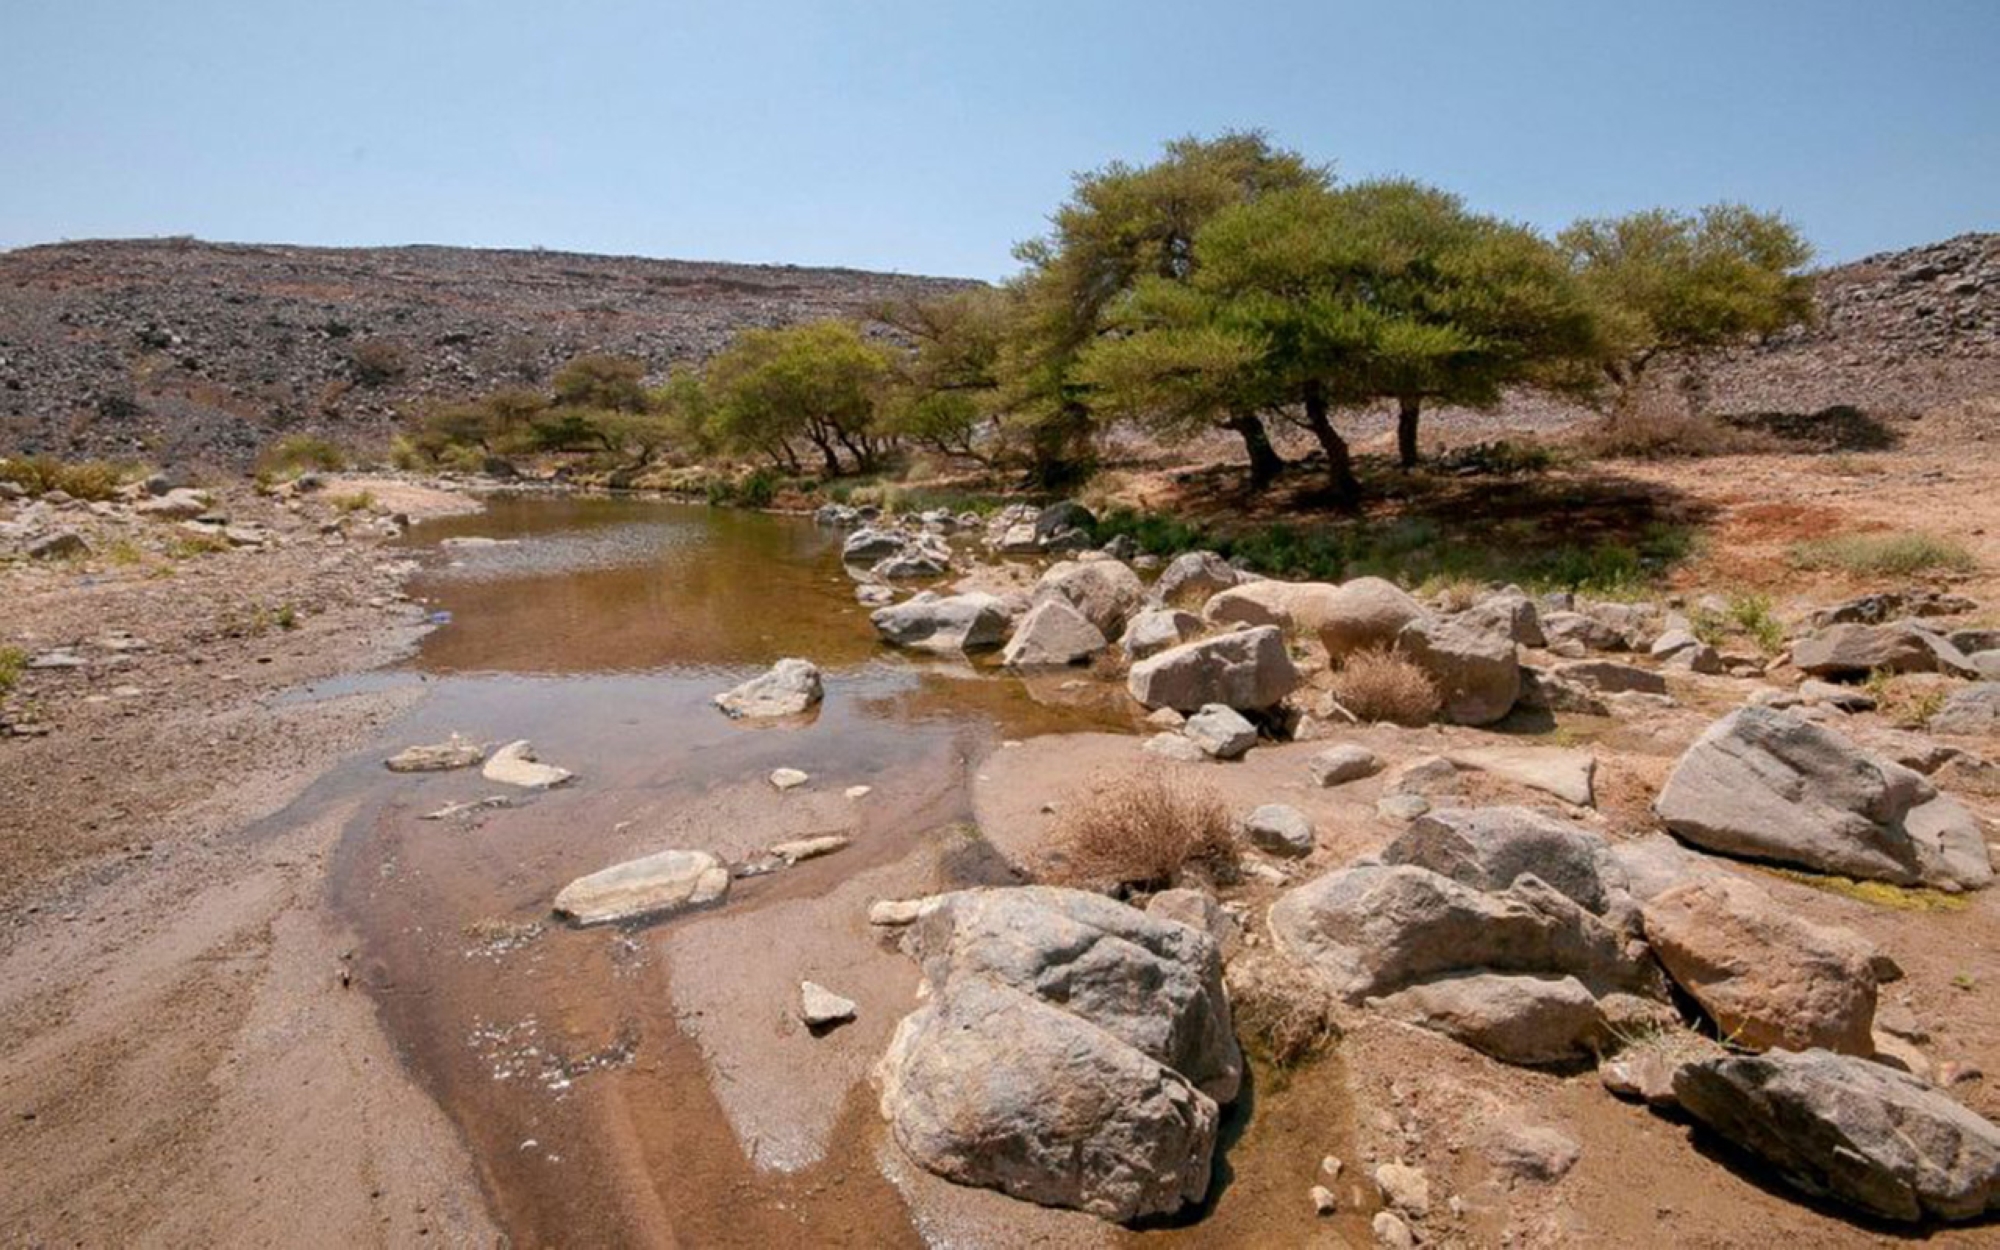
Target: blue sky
x,y
929,135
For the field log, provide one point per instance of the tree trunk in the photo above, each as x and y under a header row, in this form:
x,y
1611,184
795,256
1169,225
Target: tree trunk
x,y
825,445
1407,408
1265,462
1339,464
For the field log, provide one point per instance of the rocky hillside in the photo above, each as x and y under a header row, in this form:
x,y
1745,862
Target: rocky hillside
x,y
181,351
1898,334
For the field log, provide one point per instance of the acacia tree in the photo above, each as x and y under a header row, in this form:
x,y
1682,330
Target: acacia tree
x,y
819,382
1121,225
1680,283
942,390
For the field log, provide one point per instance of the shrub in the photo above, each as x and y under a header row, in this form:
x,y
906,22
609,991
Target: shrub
x,y
379,362
1653,435
1908,700
299,453
405,455
13,661
85,479
1143,831
1283,1014
1380,685
1753,615
1891,554
757,489
359,501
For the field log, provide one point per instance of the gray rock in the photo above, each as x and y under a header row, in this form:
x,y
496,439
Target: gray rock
x,y
1765,976
1490,848
1569,775
1172,746
1515,1019
1848,1129
1372,929
1846,698
1677,648
820,1008
1565,626
1105,591
1249,670
1889,605
175,505
60,545
1193,578
789,688
1476,668
1543,689
866,547
1052,635
1061,517
1199,910
1611,677
1405,1188
1070,1051
1973,709
1857,650
657,885
1291,606
1280,830
958,623
1366,612
1532,1152
1510,611
1153,631
1765,784
515,765
455,752
1341,764
1220,731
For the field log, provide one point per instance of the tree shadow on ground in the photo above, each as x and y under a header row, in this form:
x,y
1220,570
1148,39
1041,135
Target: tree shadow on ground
x,y
1587,526
1843,427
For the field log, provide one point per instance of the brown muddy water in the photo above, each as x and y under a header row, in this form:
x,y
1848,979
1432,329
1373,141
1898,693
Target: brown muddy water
x,y
649,1085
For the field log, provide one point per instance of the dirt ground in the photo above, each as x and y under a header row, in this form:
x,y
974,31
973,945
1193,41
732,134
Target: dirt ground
x,y
188,1056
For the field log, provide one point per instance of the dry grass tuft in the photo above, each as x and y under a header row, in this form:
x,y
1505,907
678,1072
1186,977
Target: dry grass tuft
x,y
1141,831
1884,554
1283,1014
1380,685
1654,435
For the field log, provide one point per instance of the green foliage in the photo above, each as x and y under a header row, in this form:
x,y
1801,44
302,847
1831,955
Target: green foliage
x,y
358,501
816,384
1664,281
942,393
13,662
1415,551
609,383
299,453
1747,614
1893,554
85,479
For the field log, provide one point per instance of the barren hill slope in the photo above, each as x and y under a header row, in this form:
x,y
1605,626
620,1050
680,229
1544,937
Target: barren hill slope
x,y
175,350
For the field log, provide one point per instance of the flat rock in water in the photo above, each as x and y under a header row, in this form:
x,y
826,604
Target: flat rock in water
x,y
455,752
821,1008
791,687
788,778
1052,635
658,885
1568,775
801,849
515,765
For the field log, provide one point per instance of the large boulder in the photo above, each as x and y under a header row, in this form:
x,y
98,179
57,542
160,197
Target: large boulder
x,y
1366,612
1516,1019
1053,634
993,1087
1765,784
1295,607
1372,929
868,546
788,689
1106,592
1490,848
1766,977
1510,611
944,624
1858,650
1193,578
1070,1050
1848,1129
1060,518
1154,630
1249,670
1477,668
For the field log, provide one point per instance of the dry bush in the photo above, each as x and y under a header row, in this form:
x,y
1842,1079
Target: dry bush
x,y
1142,831
1380,685
1284,1014
1660,435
